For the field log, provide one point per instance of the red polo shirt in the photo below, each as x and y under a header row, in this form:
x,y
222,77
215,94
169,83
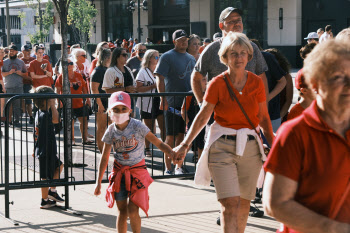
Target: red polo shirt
x,y
308,151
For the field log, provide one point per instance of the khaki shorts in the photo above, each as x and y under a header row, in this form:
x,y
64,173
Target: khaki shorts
x,y
234,175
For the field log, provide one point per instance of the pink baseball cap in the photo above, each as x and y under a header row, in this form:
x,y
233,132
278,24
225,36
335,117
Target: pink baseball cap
x,y
119,98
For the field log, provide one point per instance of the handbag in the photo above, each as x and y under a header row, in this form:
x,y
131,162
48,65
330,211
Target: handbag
x,y
234,98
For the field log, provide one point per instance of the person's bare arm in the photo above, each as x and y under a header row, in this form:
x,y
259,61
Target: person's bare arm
x,y
115,89
265,123
278,88
4,74
279,193
199,122
289,95
161,89
55,114
102,168
184,112
34,76
23,75
141,88
196,79
94,90
159,144
266,85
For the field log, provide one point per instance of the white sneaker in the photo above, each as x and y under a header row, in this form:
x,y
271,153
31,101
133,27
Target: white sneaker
x,y
179,171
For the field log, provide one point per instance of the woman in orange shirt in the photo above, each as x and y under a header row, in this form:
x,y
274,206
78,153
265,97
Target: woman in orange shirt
x,y
233,152
80,110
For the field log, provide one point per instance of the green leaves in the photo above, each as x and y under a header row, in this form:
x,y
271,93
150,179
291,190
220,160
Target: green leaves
x,y
80,15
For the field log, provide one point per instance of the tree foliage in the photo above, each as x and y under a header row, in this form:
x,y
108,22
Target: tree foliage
x,y
44,20
80,15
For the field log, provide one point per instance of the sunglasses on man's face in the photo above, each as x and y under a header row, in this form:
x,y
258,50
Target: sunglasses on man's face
x,y
142,50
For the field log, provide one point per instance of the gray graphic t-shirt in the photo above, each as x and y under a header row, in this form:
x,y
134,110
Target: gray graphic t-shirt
x,y
127,145
176,68
13,80
209,61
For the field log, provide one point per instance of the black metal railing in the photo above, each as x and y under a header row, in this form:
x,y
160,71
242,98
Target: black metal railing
x,y
19,168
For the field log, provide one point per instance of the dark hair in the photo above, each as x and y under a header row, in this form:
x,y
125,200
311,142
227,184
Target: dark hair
x,y
40,90
255,41
103,55
328,27
304,51
282,60
115,55
37,47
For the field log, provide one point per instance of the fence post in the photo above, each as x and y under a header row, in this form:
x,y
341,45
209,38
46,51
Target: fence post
x,y
67,149
7,162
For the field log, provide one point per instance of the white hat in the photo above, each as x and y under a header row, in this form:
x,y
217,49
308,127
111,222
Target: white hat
x,y
311,35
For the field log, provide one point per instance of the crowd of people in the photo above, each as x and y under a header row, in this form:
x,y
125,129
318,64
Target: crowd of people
x,y
242,95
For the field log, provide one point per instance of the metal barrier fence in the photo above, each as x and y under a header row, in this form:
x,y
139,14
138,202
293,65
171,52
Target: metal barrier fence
x,y
20,170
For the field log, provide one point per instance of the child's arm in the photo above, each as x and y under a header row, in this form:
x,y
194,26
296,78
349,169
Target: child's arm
x,y
161,145
103,165
55,114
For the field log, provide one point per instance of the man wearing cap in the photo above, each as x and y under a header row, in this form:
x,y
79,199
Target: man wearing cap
x,y
40,69
27,82
13,71
217,36
134,63
206,42
173,74
312,37
209,63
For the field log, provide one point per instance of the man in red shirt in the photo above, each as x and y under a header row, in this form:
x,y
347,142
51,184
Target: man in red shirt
x,y
27,82
40,69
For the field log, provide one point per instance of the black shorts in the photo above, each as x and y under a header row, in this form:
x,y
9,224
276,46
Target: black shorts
x,y
80,112
155,110
174,124
1,89
48,166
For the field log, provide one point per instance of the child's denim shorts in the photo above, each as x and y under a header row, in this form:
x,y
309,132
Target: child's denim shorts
x,y
123,193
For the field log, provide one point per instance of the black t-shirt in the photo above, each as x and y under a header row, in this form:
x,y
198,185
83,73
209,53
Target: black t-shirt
x,y
97,76
274,74
44,136
128,80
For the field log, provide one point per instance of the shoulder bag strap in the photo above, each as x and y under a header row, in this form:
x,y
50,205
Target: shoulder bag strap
x,y
234,97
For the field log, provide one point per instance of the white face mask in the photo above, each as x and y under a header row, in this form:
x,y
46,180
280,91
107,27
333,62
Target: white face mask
x,y
119,118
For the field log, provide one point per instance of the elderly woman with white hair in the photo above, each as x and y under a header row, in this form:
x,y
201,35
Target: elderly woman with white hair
x,y
79,57
233,153
307,185
149,106
79,108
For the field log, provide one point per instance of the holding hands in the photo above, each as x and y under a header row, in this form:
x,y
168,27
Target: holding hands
x,y
180,153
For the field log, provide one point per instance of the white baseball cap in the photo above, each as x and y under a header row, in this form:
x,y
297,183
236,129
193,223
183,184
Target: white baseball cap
x,y
311,35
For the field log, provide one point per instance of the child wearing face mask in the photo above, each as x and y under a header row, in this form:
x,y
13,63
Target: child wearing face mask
x,y
129,180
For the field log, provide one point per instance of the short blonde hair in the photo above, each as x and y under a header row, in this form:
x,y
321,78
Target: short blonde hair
x,y
230,41
324,60
77,52
344,35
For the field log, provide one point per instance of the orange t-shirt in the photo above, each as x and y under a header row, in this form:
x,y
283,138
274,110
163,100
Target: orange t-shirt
x,y
201,49
27,62
295,111
34,66
77,82
93,66
226,112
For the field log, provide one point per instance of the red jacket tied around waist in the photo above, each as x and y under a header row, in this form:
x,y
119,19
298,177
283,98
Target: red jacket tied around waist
x,y
137,180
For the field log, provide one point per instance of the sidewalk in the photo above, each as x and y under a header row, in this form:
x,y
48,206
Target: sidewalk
x,y
175,206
